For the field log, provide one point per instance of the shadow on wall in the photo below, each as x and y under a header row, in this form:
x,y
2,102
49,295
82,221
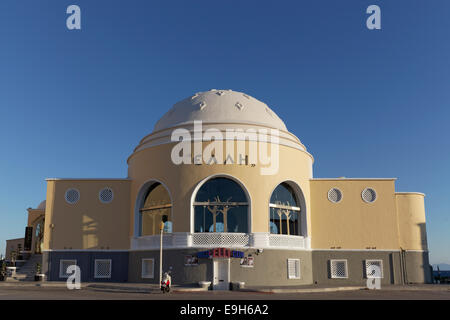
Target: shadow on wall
x,y
423,235
425,267
90,236
90,233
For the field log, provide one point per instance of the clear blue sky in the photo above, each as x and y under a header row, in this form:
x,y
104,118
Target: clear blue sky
x,y
365,103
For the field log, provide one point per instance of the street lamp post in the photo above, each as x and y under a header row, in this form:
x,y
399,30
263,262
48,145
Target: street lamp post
x,y
161,227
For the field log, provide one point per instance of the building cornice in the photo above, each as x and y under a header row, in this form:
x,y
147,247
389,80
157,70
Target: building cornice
x,y
410,193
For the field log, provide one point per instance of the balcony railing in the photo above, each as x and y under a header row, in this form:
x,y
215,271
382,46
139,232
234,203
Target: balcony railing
x,y
219,239
261,240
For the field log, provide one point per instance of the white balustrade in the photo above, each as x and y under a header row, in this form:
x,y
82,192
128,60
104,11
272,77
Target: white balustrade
x,y
221,239
285,241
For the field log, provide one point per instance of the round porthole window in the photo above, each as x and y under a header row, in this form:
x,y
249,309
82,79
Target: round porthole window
x,y
369,195
335,195
106,195
72,196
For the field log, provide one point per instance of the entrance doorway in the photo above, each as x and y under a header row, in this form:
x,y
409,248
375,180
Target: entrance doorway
x,y
221,279
39,236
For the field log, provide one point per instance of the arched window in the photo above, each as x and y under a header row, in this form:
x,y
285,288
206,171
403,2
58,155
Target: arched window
x,y
284,211
221,206
157,207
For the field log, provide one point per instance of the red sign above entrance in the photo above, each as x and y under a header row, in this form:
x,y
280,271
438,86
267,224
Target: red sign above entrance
x,y
220,253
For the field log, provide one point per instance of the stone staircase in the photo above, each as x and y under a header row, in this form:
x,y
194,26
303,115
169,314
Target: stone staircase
x,y
28,270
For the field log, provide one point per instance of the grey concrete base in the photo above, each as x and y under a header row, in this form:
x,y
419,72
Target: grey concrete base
x,y
394,265
417,267
270,267
86,262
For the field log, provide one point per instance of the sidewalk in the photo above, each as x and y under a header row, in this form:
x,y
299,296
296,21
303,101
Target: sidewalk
x,y
323,288
301,289
117,286
146,288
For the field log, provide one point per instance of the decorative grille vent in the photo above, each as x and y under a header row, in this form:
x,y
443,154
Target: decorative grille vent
x,y
148,268
72,196
63,265
369,195
293,268
278,240
106,195
338,269
374,269
102,268
220,239
334,195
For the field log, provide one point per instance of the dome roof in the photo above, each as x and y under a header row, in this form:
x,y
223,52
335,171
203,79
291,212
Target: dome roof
x,y
41,206
220,106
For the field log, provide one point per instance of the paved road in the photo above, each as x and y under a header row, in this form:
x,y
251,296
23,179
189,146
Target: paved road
x,y
7,293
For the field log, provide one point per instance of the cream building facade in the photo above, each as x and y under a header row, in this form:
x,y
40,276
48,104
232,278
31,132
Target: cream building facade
x,y
230,214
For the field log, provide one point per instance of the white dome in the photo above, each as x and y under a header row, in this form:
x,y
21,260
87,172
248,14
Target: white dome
x,y
220,106
41,206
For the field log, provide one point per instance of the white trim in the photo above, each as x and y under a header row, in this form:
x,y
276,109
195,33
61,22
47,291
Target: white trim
x,y
273,205
166,137
95,269
182,125
190,123
63,273
297,267
346,269
221,175
165,134
148,276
